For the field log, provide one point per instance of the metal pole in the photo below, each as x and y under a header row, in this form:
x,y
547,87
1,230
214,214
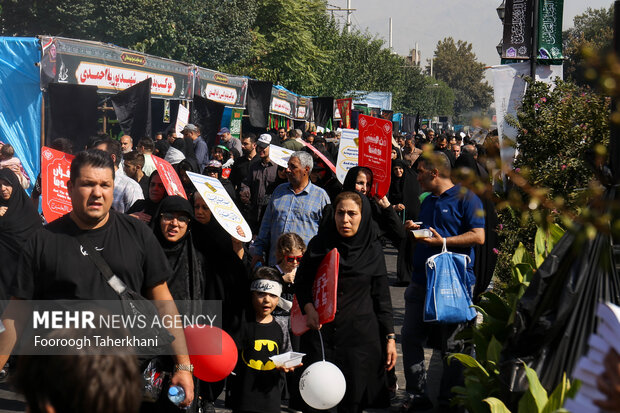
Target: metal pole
x,y
390,42
534,53
348,16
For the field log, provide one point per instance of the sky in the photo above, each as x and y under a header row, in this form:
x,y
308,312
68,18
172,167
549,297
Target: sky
x,y
429,21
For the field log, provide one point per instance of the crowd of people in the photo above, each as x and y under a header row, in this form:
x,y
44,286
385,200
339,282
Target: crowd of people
x,y
165,246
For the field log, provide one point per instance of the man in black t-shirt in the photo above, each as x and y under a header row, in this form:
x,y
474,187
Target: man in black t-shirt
x,y
54,265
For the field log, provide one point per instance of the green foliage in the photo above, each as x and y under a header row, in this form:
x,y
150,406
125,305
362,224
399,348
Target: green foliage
x,y
207,33
535,399
560,133
292,43
483,389
593,30
457,65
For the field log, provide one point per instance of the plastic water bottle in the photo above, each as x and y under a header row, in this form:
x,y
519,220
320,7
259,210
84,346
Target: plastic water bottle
x,y
176,394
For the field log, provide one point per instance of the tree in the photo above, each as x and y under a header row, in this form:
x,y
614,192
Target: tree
x,y
207,33
592,30
283,44
456,64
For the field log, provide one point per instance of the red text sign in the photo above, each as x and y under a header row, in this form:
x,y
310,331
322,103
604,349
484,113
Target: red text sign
x,y
375,142
55,171
169,177
324,291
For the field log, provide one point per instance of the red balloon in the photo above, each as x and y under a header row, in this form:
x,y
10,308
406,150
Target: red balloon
x,y
212,351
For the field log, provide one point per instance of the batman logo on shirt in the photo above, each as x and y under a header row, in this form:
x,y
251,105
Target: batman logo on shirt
x,y
257,358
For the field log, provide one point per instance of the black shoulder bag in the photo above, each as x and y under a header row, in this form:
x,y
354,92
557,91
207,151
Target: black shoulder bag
x,y
133,303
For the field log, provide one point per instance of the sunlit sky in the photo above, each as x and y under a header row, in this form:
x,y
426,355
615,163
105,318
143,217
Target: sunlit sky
x,y
428,21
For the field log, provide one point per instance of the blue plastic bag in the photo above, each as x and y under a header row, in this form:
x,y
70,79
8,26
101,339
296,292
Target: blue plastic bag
x,y
448,297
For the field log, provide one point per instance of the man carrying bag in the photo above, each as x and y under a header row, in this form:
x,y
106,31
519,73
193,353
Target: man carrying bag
x,y
455,217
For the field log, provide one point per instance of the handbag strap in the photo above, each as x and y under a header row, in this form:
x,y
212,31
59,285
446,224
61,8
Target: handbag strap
x,y
444,248
116,283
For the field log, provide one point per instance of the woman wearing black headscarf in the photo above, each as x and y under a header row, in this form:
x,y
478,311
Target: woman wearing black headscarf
x,y
404,193
18,220
360,179
145,209
471,173
352,340
171,225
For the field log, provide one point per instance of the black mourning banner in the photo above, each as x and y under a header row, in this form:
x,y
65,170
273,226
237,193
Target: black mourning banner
x,y
73,113
323,110
133,110
517,39
207,114
258,102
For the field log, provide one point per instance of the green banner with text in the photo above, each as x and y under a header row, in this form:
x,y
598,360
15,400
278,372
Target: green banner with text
x,y
550,31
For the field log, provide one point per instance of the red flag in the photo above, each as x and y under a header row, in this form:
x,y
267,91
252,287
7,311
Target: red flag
x,y
344,107
375,143
55,172
169,177
324,291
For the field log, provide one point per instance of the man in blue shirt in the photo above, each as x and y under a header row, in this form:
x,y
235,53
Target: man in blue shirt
x,y
296,206
455,214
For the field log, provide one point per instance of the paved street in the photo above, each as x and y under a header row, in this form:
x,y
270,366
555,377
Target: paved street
x,y
10,402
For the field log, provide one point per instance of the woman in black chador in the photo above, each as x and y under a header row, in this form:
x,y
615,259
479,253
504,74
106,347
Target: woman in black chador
x,y
364,308
18,220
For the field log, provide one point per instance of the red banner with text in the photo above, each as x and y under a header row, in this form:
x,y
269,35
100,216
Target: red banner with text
x,y
55,172
375,151
324,291
169,177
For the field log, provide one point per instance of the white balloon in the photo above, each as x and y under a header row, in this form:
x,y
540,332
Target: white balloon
x,y
322,385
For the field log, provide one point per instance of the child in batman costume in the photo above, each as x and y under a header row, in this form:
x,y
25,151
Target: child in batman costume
x,y
256,385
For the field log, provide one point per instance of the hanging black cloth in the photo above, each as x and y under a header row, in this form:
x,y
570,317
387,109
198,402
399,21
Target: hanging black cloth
x,y
486,258
17,224
208,114
259,102
353,340
73,113
323,108
557,313
408,124
133,110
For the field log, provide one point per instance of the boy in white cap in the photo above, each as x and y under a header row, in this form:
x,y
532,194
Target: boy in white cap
x,y
256,385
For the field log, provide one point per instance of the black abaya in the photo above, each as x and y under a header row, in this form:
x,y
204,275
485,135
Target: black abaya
x,y
16,226
352,340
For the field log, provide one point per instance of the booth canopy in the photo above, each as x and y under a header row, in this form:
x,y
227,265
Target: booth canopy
x,y
112,68
222,88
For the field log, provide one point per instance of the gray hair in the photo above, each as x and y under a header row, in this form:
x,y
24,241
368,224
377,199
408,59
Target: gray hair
x,y
305,159
298,133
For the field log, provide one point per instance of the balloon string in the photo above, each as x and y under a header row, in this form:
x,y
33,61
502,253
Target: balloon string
x,y
322,348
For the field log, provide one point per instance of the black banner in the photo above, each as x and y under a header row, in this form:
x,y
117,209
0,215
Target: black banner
x,y
517,40
112,68
133,110
221,88
259,98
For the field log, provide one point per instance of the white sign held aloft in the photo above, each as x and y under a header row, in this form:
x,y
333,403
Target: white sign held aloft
x,y
182,119
280,155
222,206
347,153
